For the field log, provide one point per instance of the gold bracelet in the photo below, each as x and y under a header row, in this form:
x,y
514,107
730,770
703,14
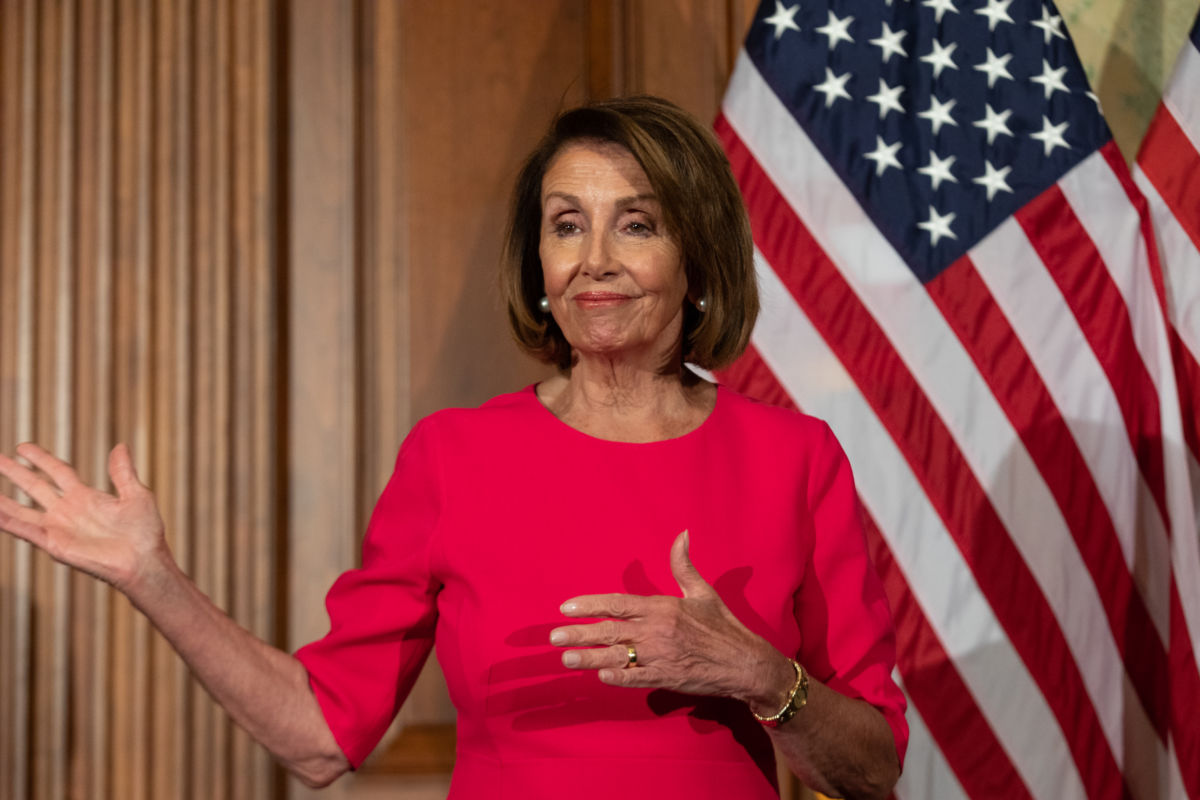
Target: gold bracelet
x,y
796,700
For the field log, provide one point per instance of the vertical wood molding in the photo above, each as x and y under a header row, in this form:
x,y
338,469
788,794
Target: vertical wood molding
x,y
139,302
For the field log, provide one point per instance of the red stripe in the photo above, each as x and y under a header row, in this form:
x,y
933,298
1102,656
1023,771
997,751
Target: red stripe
x,y
946,478
1185,698
931,681
1116,162
1184,675
1172,164
1073,262
988,336
1187,379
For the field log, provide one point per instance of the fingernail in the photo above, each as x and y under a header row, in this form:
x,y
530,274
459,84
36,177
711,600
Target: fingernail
x,y
570,659
569,607
605,675
558,637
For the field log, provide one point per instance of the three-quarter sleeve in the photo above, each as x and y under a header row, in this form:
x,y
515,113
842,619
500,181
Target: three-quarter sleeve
x,y
847,639
382,615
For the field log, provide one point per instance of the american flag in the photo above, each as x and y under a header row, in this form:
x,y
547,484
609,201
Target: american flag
x,y
1168,173
955,276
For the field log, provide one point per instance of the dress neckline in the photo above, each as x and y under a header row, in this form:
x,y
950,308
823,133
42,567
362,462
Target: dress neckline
x,y
695,432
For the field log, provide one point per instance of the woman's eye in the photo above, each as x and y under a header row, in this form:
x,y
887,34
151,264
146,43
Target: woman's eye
x,y
565,228
639,227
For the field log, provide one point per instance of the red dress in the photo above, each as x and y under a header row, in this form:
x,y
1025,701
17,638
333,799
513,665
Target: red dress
x,y
494,516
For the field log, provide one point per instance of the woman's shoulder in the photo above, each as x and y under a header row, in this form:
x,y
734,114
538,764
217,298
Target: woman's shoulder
x,y
509,409
770,419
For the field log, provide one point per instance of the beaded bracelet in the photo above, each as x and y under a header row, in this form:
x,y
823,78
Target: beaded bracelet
x,y
796,700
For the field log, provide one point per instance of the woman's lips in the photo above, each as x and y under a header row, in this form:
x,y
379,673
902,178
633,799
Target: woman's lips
x,y
600,299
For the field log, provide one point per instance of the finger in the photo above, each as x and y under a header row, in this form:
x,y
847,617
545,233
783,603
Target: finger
x,y
19,524
28,482
62,473
604,632
641,677
689,580
15,510
614,657
618,606
120,469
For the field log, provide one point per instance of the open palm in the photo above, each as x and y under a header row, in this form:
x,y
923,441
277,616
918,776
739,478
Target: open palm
x,y
112,537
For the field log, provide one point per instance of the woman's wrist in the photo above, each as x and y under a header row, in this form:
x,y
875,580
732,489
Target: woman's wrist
x,y
771,683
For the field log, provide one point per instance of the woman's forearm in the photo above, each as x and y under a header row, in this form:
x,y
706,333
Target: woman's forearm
x,y
264,689
839,746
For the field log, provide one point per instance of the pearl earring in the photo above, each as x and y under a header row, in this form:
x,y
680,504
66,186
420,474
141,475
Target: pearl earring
x,y
544,304
702,305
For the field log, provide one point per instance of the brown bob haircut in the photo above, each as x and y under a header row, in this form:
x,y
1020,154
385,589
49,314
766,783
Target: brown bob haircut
x,y
702,210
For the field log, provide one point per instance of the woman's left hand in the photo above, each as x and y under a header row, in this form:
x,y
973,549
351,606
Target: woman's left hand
x,y
691,644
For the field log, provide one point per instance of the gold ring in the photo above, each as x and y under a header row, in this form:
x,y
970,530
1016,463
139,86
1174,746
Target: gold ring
x,y
632,656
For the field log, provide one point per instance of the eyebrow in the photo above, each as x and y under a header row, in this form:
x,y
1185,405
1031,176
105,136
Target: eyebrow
x,y
620,201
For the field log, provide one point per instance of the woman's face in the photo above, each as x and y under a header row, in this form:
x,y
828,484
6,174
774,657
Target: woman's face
x,y
612,271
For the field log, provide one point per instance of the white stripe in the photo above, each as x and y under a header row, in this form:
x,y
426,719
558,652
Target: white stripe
x,y
1076,382
1099,201
926,773
931,350
1181,265
1182,97
937,575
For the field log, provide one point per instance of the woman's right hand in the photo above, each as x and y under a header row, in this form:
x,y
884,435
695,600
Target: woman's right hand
x,y
116,538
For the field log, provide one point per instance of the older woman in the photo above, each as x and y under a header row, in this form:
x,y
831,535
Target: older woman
x,y
637,581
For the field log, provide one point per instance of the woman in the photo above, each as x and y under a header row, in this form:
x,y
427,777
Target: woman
x,y
636,580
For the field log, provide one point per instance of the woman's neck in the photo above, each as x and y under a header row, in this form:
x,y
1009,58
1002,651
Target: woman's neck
x,y
613,400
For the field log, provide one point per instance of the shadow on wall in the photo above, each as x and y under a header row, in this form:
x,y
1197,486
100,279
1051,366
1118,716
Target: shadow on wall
x,y
1132,72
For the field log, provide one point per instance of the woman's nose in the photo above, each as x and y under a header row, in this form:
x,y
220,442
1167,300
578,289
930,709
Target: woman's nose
x,y
598,260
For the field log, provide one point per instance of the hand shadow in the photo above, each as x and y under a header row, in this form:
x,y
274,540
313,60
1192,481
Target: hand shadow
x,y
558,697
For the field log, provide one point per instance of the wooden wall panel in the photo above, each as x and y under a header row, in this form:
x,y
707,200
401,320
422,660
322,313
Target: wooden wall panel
x,y
140,289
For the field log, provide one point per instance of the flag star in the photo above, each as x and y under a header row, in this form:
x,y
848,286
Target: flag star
x,y
889,42
784,19
994,179
940,7
837,30
884,155
996,12
996,67
940,57
887,98
1051,79
1051,136
1051,25
1092,96
938,113
995,124
833,87
938,170
938,226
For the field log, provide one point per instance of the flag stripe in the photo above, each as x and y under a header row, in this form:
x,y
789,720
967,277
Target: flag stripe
x,y
938,691
930,776
1181,97
946,477
1185,698
1072,260
932,682
937,575
1083,396
1127,249
1181,268
1171,164
987,334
